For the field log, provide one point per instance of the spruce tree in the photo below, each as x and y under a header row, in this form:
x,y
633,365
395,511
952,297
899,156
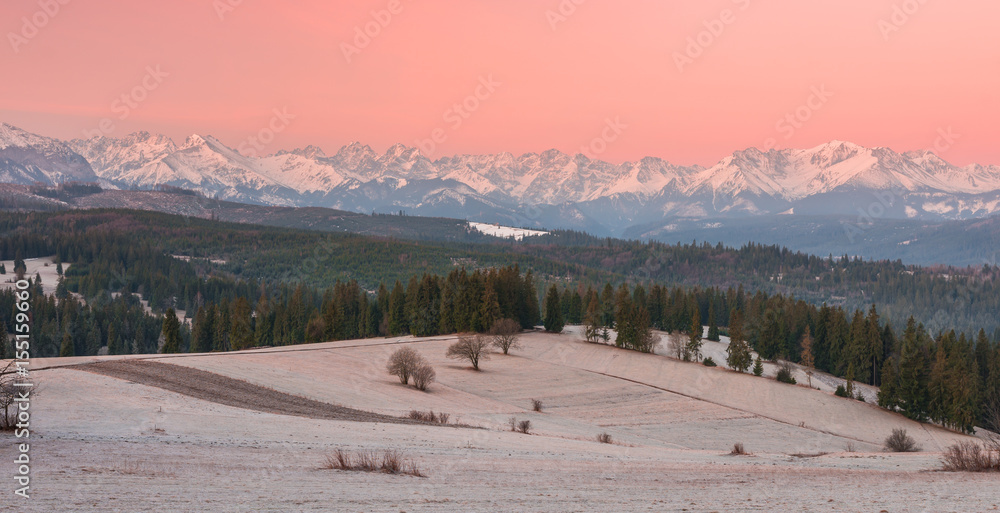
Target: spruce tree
x,y
171,332
264,322
531,314
220,335
806,358
758,367
713,327
553,311
113,344
489,309
739,356
692,350
592,321
240,325
66,348
607,306
913,374
397,310
201,332
888,394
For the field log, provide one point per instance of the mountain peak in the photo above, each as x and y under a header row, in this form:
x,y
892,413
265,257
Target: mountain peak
x,y
193,140
309,152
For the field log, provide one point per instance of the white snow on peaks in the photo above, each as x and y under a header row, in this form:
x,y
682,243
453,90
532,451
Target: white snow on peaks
x,y
505,232
746,182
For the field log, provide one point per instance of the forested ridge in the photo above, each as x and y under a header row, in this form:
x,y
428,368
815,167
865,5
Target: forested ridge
x,y
247,286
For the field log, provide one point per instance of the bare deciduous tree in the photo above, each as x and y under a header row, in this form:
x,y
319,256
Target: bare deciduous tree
x,y
403,363
474,348
423,376
504,333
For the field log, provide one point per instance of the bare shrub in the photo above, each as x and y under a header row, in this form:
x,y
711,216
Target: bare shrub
x,y
513,423
8,392
389,461
504,333
536,405
524,427
808,454
738,450
676,346
850,447
473,348
972,457
423,376
899,441
784,374
429,416
992,415
604,438
403,362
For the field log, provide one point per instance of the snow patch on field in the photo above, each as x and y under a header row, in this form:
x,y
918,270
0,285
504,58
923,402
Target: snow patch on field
x,y
505,232
44,267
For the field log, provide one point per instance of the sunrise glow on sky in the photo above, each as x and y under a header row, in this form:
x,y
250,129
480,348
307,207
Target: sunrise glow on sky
x,y
689,81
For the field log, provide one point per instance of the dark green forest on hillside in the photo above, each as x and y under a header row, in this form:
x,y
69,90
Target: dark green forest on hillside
x,y
111,249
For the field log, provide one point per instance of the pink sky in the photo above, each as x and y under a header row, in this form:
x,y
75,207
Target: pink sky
x,y
560,80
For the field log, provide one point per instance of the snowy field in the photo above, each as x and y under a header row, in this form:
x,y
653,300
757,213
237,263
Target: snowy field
x,y
107,444
45,267
504,232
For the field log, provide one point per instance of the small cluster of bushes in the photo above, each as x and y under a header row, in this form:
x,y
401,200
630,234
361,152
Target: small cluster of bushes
x,y
389,461
536,405
406,363
784,374
973,456
708,362
523,426
604,438
849,392
429,416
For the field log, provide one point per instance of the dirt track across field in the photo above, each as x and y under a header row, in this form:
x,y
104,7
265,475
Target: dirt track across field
x,y
216,388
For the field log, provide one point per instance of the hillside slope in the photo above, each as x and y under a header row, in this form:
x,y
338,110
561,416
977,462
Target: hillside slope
x,y
673,424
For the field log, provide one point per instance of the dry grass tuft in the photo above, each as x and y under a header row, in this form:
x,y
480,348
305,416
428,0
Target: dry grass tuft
x,y
389,461
429,416
808,454
739,450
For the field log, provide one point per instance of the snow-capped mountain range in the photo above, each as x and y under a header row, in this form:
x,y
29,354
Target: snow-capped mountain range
x,y
549,189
